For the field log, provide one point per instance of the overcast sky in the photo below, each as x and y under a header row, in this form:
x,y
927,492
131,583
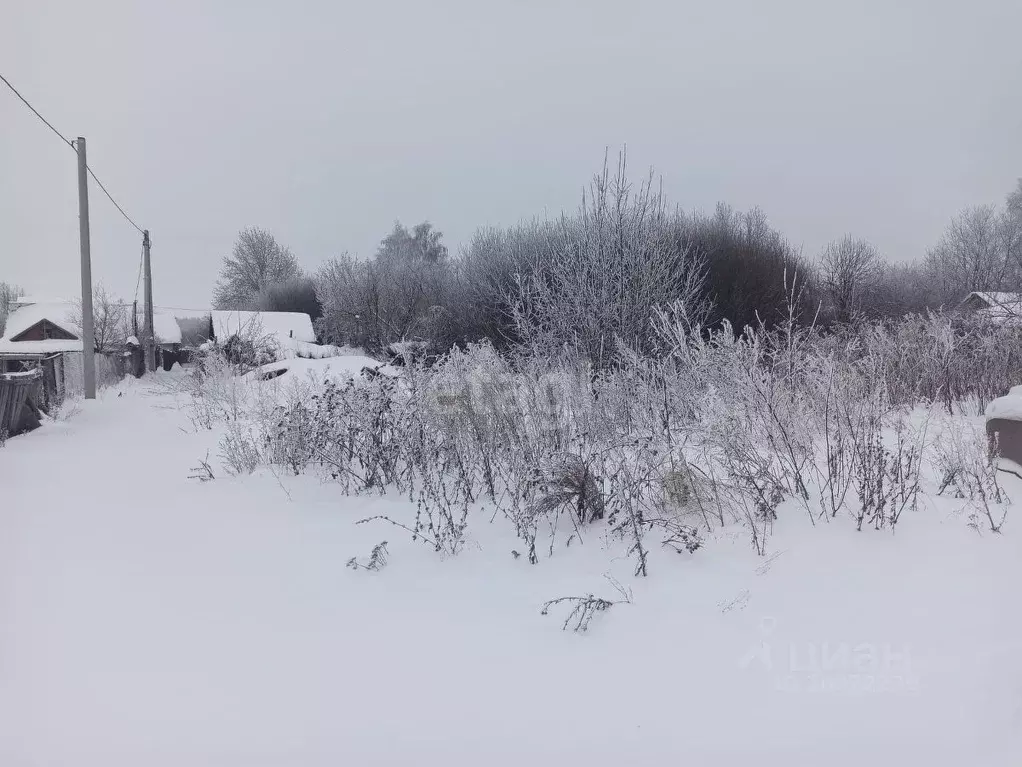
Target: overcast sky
x,y
326,121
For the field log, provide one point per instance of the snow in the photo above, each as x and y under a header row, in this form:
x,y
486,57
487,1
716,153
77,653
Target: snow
x,y
49,346
279,325
60,314
1008,408
995,298
287,329
1010,466
289,347
161,621
337,368
165,326
165,322
40,299
999,307
20,376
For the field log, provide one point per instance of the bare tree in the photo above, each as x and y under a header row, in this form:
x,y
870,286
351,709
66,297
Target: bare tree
x,y
596,278
8,295
970,254
257,263
746,263
850,268
400,294
902,289
349,294
110,319
297,295
1014,201
371,304
1010,235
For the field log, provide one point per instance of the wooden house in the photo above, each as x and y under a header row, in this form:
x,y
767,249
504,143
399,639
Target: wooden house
x,y
44,335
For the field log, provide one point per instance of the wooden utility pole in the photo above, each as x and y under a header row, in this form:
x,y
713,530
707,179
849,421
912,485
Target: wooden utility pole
x,y
88,330
150,331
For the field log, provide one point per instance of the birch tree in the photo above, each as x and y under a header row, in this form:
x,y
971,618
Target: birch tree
x,y
257,263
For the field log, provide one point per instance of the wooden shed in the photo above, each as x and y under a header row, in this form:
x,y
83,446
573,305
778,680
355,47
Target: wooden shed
x,y
1004,431
18,410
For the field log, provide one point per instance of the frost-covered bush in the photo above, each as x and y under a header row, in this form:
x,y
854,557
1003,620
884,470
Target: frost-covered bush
x,y
711,427
966,463
214,393
239,449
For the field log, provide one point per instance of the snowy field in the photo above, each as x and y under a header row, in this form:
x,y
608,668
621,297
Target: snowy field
x,y
151,619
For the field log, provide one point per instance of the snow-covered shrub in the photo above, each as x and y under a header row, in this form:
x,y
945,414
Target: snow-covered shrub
x,y
376,562
596,277
203,472
584,609
713,427
67,408
571,485
966,462
239,449
214,392
246,353
291,437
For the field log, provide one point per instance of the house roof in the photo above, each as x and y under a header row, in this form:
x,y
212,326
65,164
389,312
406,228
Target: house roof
x,y
278,325
177,326
60,314
996,306
996,298
166,326
282,327
39,299
49,346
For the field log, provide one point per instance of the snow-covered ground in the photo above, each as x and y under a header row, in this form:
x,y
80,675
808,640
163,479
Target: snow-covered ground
x,y
148,619
305,370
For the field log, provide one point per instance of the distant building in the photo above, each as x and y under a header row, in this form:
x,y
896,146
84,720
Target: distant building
x,y
998,307
44,334
181,332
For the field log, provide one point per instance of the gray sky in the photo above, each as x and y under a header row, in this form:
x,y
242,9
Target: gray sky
x,y
326,121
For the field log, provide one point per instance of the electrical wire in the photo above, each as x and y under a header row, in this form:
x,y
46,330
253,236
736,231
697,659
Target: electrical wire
x,y
138,282
110,197
35,112
72,145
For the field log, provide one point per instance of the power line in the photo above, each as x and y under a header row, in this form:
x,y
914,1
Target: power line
x,y
138,282
110,197
71,144
36,113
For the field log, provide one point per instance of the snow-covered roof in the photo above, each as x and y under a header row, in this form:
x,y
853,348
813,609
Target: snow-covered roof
x,y
49,346
289,348
168,322
997,306
1008,407
995,298
39,299
166,326
60,314
278,325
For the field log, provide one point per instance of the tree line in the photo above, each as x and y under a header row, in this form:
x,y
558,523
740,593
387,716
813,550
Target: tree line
x,y
592,277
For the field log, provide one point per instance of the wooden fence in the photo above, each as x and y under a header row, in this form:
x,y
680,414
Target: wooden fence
x,y
16,411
